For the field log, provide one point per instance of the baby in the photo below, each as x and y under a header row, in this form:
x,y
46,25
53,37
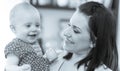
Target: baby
x,y
23,53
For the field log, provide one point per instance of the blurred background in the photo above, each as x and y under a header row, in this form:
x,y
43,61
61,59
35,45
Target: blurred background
x,y
55,17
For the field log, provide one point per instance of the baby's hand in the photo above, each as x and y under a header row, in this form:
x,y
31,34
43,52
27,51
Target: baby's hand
x,y
26,67
51,54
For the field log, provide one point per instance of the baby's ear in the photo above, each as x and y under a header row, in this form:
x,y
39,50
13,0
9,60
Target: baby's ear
x,y
12,27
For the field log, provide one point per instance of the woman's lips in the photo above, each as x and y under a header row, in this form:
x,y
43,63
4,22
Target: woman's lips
x,y
69,41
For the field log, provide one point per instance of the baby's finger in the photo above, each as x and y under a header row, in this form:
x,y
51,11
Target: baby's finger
x,y
26,67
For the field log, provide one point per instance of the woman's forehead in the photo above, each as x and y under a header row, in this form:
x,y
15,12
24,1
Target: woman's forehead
x,y
79,19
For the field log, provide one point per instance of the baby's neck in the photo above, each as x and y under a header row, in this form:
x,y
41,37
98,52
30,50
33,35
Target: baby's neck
x,y
35,43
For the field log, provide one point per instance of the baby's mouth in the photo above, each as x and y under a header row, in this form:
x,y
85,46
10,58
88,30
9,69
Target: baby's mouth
x,y
32,35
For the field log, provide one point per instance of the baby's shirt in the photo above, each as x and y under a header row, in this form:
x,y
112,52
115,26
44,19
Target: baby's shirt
x,y
37,49
27,55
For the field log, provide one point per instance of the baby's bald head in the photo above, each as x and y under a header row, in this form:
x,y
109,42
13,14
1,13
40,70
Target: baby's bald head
x,y
21,10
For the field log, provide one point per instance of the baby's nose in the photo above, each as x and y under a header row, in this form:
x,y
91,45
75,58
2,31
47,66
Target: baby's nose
x,y
35,29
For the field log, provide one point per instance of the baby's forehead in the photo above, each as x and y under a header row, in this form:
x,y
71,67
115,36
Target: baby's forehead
x,y
23,7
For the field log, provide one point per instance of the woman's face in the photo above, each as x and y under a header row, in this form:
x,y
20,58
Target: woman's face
x,y
77,36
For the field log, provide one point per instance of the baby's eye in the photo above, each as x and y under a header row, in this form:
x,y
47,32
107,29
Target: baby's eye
x,y
28,25
37,25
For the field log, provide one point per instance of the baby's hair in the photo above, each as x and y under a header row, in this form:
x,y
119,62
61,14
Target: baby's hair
x,y
18,9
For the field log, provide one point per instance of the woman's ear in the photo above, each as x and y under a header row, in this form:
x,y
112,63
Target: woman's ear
x,y
93,43
12,27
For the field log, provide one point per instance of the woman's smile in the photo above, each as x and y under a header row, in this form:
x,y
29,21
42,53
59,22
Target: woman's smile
x,y
69,40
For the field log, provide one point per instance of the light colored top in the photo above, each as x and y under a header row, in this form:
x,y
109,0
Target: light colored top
x,y
66,65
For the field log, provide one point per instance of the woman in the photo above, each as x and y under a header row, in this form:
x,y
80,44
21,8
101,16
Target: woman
x,y
90,41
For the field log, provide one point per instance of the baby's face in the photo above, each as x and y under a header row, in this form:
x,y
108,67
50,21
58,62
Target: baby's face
x,y
27,27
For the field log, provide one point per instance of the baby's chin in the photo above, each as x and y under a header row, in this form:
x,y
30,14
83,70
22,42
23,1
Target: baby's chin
x,y
32,42
28,40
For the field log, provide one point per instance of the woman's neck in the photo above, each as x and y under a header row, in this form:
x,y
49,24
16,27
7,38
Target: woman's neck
x,y
79,56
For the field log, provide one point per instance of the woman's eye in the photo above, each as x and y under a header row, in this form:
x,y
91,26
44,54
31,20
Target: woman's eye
x,y
76,31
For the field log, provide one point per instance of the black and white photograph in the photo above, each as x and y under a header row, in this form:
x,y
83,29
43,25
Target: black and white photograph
x,y
60,35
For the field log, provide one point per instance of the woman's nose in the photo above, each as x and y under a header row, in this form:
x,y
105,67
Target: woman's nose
x,y
67,33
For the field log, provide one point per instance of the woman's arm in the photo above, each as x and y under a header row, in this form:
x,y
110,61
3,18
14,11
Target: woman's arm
x,y
103,68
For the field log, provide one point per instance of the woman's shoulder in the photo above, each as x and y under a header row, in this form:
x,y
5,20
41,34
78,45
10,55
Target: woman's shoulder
x,y
103,67
100,68
55,65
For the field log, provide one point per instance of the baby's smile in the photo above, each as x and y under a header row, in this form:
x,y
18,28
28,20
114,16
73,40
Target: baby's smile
x,y
32,35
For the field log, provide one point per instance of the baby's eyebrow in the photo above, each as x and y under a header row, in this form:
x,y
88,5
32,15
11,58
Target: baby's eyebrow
x,y
28,23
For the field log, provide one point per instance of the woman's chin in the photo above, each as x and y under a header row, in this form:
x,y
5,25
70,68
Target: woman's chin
x,y
67,48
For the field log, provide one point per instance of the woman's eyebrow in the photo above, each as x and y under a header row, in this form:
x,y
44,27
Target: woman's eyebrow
x,y
69,24
75,27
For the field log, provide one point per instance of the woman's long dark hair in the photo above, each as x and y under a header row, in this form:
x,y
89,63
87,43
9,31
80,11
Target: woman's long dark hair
x,y
103,27
114,7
